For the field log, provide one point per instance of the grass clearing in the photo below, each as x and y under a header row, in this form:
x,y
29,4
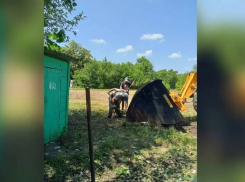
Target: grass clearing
x,y
123,151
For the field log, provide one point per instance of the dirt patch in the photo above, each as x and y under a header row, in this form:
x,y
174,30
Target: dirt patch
x,y
53,149
81,95
97,96
192,128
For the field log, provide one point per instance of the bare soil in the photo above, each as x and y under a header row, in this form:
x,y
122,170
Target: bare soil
x,y
192,128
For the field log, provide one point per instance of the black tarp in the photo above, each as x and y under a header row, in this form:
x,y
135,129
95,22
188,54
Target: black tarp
x,y
149,104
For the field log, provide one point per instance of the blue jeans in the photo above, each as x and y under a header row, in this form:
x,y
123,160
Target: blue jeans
x,y
125,97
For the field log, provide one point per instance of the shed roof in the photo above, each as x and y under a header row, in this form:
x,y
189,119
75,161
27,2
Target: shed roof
x,y
59,55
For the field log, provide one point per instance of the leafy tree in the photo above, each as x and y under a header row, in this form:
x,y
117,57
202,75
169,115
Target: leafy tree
x,y
81,55
181,81
127,70
143,71
57,23
169,78
116,76
172,78
161,74
105,74
166,84
139,76
89,76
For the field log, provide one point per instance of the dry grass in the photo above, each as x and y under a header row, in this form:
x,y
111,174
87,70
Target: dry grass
x,y
99,98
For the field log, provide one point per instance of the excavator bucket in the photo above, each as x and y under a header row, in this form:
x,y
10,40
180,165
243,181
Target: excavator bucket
x,y
152,103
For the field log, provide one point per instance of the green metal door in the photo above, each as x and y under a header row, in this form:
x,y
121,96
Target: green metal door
x,y
51,104
56,97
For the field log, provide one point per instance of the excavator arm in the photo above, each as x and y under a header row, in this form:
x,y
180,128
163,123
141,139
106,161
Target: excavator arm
x,y
188,89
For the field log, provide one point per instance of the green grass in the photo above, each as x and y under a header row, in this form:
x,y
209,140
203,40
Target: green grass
x,y
123,151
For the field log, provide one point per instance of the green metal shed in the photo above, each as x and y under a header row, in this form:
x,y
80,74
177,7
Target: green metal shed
x,y
56,94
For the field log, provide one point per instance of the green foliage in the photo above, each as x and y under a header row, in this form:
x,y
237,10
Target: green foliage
x,y
57,23
144,69
89,76
105,74
172,78
181,78
169,78
81,55
167,85
123,171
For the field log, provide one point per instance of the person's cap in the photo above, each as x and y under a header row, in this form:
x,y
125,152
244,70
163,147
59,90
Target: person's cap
x,y
126,79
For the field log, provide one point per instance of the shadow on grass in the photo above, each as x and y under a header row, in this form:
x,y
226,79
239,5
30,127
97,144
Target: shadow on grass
x,y
169,167
118,147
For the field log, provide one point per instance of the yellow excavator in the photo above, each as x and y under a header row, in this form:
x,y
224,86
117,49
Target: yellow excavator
x,y
188,90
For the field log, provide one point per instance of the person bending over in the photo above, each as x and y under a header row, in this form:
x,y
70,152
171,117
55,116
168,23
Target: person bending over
x,y
117,90
114,103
